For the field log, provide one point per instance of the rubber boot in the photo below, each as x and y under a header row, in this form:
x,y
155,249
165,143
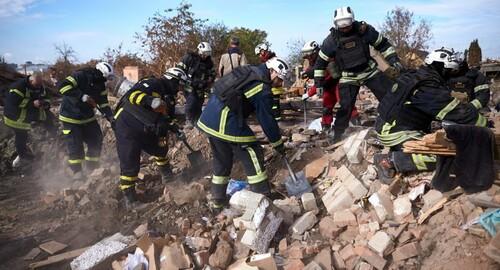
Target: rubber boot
x,y
385,168
130,198
166,174
261,188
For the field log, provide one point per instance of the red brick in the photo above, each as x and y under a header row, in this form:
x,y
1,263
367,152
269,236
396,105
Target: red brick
x,y
406,251
370,257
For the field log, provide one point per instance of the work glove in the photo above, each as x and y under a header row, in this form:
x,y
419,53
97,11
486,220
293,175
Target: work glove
x,y
89,100
41,104
391,73
319,91
280,149
159,106
305,97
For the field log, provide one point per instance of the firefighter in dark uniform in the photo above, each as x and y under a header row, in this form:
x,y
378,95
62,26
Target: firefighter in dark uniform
x,y
144,116
245,90
349,44
82,92
26,101
406,112
469,85
264,53
201,72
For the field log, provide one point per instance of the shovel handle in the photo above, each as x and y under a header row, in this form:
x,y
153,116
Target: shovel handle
x,y
187,145
292,174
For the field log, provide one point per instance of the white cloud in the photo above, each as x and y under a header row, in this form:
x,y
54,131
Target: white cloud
x,y
9,8
7,55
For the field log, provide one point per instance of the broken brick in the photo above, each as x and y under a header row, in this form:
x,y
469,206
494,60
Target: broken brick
x,y
327,228
344,218
380,242
347,252
371,257
406,251
304,223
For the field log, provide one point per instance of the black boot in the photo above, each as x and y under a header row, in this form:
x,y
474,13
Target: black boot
x,y
130,198
261,188
385,168
166,174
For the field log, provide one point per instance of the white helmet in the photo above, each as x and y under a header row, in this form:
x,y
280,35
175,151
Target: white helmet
x,y
343,17
279,65
260,47
176,73
106,69
443,55
310,47
204,48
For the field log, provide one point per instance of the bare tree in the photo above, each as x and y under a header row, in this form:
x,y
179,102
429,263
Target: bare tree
x,y
409,37
294,57
474,56
65,52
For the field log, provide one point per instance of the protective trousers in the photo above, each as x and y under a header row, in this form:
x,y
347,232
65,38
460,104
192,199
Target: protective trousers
x,y
252,158
379,84
408,163
131,139
76,135
194,104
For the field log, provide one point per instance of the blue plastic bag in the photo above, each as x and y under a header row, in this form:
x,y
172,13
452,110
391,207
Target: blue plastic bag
x,y
234,186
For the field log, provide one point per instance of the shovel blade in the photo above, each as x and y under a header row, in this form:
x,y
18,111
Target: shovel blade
x,y
299,187
195,158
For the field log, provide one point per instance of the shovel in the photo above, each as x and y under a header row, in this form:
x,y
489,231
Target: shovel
x,y
296,184
305,114
195,157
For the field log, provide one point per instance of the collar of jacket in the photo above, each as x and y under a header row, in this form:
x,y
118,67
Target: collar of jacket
x,y
232,50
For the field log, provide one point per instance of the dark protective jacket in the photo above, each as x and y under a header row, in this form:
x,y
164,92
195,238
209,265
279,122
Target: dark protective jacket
x,y
229,124
200,71
137,102
19,109
352,53
87,81
474,84
418,98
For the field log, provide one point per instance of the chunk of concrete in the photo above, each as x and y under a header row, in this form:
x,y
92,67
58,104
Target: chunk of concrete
x,y
314,169
382,204
309,202
402,208
336,200
352,146
380,242
431,198
304,223
245,199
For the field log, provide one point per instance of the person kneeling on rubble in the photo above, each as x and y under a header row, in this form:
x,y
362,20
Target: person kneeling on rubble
x,y
26,101
417,98
245,90
144,116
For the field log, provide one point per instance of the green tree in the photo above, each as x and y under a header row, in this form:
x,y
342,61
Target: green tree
x,y
249,39
475,55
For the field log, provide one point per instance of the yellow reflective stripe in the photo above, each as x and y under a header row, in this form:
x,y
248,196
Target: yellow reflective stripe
x,y
66,131
379,39
481,121
17,92
220,180
252,92
223,120
255,160
92,158
75,161
274,107
72,80
104,93
160,161
419,162
238,139
124,187
387,127
254,179
277,143
16,124
132,96
277,90
481,87
476,104
65,89
24,103
442,114
319,73
76,121
388,52
156,94
429,158
139,98
128,178
42,116
323,56
118,113
104,105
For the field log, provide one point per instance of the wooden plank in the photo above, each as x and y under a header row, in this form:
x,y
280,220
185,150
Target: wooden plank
x,y
32,254
58,258
52,247
433,209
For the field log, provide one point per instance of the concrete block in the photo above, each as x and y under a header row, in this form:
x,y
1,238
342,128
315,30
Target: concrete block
x,y
336,201
304,223
344,218
380,242
430,198
352,146
351,183
402,208
382,204
309,202
244,199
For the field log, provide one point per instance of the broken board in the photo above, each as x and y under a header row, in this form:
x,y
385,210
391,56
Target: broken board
x,y
52,247
58,258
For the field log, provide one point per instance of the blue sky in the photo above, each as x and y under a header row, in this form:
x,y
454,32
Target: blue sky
x,y
30,28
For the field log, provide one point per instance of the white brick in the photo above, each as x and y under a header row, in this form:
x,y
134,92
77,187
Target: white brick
x,y
382,204
380,242
309,202
402,208
304,223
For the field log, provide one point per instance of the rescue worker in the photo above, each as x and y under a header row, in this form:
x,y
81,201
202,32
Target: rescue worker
x,y
406,112
82,92
262,50
244,91
310,52
232,59
348,42
26,102
144,116
199,67
469,85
